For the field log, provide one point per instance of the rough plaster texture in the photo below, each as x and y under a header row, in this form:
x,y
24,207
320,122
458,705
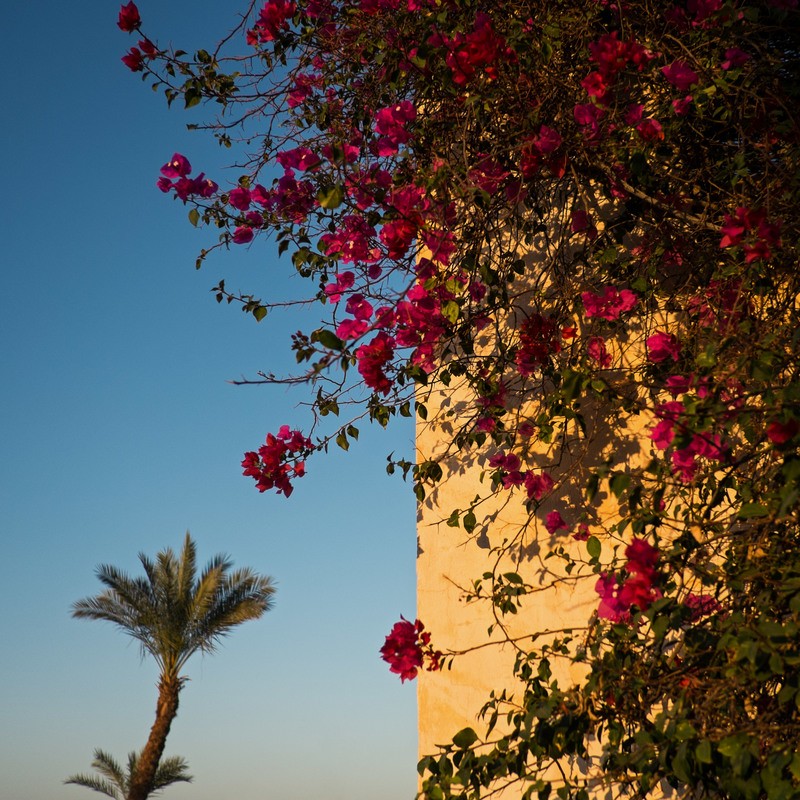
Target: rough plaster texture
x,y
449,560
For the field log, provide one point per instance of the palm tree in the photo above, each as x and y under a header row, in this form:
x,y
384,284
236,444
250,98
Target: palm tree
x,y
173,614
115,782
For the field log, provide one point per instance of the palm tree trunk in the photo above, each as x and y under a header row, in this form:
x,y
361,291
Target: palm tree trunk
x,y
142,780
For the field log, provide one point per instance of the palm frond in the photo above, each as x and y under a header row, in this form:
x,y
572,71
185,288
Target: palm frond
x,y
95,784
109,768
173,769
172,613
116,782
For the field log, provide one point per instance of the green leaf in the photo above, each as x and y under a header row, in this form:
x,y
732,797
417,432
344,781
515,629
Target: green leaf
x,y
465,738
730,746
451,311
329,339
571,387
619,482
703,752
259,312
330,198
469,521
680,765
191,98
794,767
593,547
194,216
749,510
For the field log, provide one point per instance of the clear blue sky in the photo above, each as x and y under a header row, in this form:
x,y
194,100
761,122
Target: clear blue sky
x,y
119,433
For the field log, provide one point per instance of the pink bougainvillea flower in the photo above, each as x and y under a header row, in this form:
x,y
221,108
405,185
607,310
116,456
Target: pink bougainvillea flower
x,y
147,47
239,198
243,234
278,460
272,20
304,85
526,430
401,652
488,175
538,341
344,281
129,19
610,304
661,346
638,588
581,222
734,57
480,49
203,187
351,329
588,115
681,104
763,236
372,359
255,219
300,158
538,485
634,114
353,240
596,85
779,433
390,125
650,130
177,167
398,236
133,60
504,461
610,608
548,140
663,432
597,351
555,522
581,533
612,55
734,227
756,251
678,384
292,199
701,605
407,648
440,242
260,195
680,75
359,307
540,149
642,556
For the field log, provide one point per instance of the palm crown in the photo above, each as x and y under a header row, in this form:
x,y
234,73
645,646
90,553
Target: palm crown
x,y
172,613
114,781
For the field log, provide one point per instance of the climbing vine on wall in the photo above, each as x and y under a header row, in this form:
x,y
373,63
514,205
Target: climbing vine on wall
x,y
580,213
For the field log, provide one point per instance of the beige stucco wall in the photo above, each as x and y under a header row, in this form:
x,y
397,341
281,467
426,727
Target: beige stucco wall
x,y
449,559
